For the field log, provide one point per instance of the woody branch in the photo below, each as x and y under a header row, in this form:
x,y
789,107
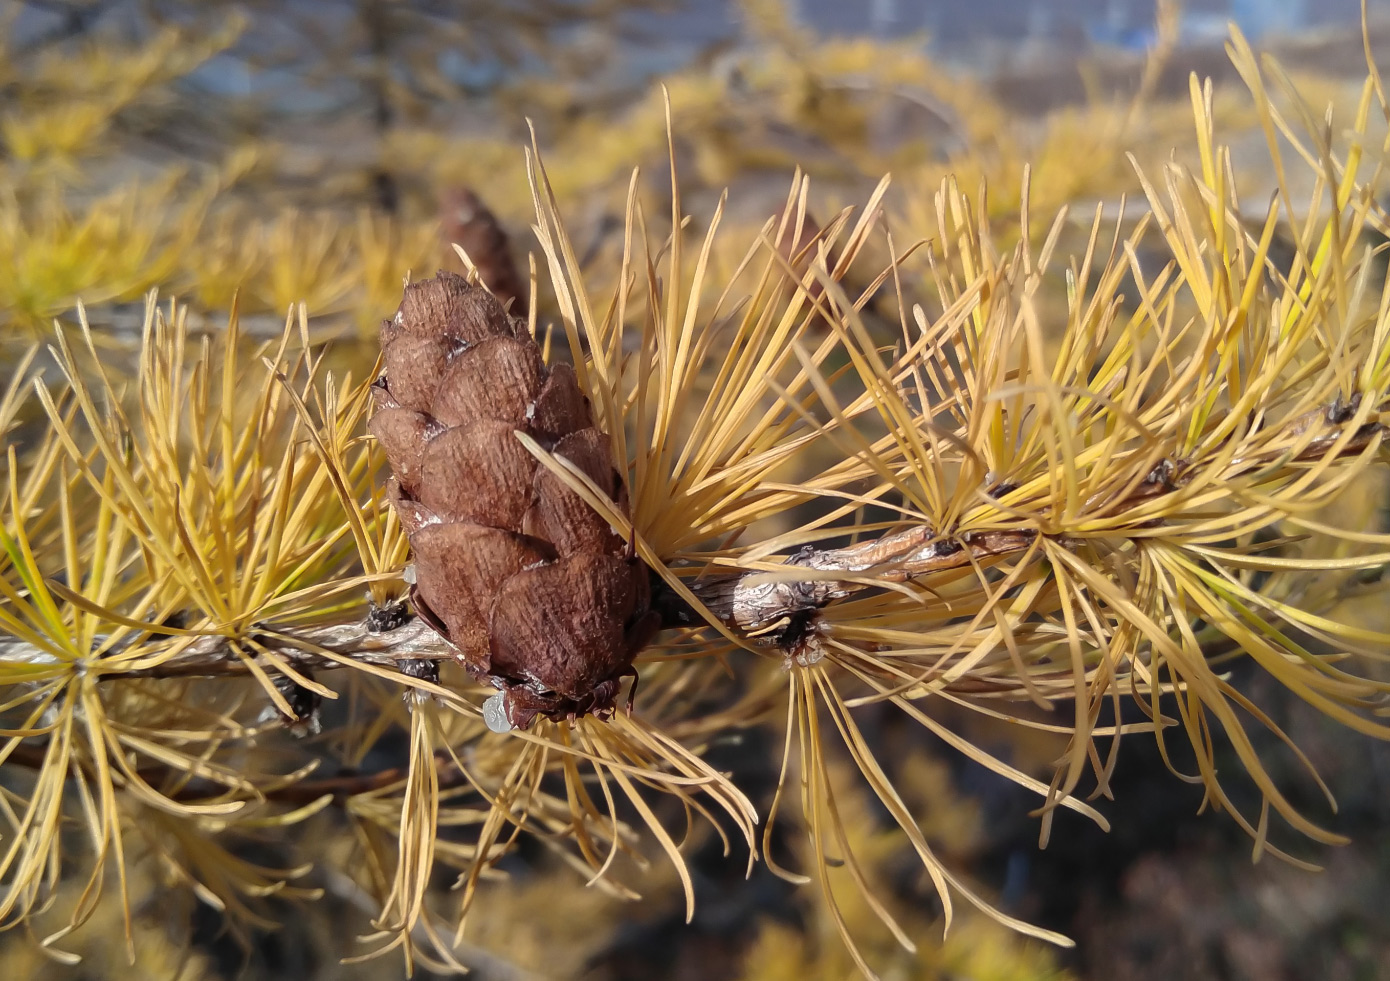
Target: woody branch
x,y
748,603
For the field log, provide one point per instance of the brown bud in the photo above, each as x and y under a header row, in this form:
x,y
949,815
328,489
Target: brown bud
x,y
412,514
414,366
469,224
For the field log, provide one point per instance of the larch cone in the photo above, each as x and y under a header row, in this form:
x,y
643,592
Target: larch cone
x,y
538,595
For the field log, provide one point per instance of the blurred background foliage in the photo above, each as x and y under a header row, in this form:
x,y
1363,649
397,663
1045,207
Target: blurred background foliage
x,y
263,154
305,151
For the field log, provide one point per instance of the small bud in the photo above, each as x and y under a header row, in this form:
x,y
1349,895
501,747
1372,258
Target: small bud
x,y
305,705
422,669
381,619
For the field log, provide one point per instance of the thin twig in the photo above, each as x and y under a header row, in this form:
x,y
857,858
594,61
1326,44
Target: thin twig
x,y
216,654
340,786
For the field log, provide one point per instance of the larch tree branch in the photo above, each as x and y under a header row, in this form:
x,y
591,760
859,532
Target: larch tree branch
x,y
751,603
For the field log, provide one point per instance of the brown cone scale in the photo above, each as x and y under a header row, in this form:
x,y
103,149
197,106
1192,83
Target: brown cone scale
x,y
541,599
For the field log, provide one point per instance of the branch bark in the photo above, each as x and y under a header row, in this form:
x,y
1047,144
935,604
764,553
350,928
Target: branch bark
x,y
340,786
215,655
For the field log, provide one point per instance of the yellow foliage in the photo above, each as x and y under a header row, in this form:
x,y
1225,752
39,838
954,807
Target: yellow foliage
x,y
157,951
62,103
62,131
271,264
56,251
976,946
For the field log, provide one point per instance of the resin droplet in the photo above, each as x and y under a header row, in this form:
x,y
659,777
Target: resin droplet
x,y
495,714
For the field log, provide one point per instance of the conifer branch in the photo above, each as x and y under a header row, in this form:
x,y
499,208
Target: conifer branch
x,y
752,603
218,655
